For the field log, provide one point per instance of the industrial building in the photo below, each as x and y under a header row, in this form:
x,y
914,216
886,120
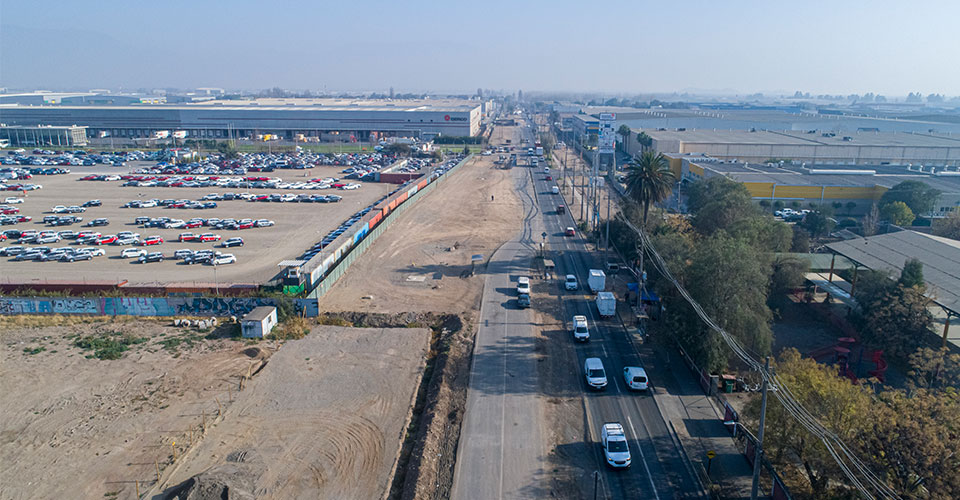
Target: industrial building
x,y
288,119
856,188
70,135
812,146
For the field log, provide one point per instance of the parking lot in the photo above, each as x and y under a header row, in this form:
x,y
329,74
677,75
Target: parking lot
x,y
297,227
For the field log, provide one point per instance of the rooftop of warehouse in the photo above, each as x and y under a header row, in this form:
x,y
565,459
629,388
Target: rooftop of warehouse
x,y
805,137
800,174
301,104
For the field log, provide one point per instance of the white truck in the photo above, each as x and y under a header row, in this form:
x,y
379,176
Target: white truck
x,y
606,304
615,448
597,280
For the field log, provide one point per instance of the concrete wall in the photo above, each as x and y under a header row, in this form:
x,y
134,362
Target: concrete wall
x,y
827,154
146,306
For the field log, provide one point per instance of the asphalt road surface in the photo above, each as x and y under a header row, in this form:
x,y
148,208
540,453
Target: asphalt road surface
x,y
502,447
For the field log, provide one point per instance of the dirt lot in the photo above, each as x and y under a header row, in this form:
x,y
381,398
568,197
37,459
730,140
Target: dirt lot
x,y
402,273
101,428
324,419
92,427
299,226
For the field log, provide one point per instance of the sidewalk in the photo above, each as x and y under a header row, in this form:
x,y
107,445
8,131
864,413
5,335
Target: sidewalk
x,y
694,418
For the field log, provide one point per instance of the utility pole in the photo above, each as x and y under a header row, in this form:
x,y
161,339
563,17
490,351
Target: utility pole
x,y
758,452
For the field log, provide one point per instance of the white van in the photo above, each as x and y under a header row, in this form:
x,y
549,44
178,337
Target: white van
x,y
636,378
595,374
555,190
580,330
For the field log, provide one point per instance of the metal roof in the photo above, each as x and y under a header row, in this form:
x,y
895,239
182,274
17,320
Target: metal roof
x,y
259,313
940,258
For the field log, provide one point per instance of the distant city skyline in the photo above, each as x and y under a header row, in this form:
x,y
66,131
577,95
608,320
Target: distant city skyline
x,y
736,47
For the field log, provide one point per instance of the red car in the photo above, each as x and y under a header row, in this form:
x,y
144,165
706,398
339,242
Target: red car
x,y
24,218
187,237
152,240
570,232
105,240
10,210
192,225
246,225
209,237
549,177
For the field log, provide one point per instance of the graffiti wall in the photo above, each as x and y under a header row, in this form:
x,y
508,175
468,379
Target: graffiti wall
x,y
148,306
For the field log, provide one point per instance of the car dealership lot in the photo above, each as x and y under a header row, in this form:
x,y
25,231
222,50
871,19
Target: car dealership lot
x,y
297,227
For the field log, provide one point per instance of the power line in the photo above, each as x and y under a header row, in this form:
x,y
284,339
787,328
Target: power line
x,y
869,485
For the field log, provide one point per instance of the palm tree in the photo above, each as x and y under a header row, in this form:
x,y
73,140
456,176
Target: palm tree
x,y
624,132
649,180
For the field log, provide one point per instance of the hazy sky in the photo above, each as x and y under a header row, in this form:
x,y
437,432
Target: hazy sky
x,y
837,46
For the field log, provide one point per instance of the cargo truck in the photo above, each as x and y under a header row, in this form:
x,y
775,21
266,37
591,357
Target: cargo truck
x,y
597,281
606,304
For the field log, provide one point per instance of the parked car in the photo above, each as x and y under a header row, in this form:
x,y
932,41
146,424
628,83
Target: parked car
x,y
152,240
92,203
12,200
263,223
105,240
151,257
208,237
232,242
187,237
227,258
98,222
131,253
74,256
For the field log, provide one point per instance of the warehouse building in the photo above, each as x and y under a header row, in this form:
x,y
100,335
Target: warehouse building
x,y
19,136
853,189
286,118
818,147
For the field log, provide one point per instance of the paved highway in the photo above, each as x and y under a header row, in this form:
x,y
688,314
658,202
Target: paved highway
x,y
502,448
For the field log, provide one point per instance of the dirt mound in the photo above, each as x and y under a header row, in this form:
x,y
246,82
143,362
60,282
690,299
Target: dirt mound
x,y
233,481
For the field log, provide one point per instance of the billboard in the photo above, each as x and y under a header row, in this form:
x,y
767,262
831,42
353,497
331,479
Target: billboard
x,y
607,138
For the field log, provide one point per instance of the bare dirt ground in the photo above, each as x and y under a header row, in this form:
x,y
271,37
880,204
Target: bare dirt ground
x,y
400,272
94,428
474,211
325,417
298,226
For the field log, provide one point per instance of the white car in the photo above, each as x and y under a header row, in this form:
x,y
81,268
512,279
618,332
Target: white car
x,y
615,448
571,283
523,285
264,223
133,253
636,378
349,187
148,204
580,330
227,258
59,209
594,373
96,252
13,201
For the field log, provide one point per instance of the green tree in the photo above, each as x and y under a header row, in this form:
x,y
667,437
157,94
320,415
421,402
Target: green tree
x,y
800,242
898,213
649,180
397,148
817,224
729,278
912,442
763,233
624,131
850,206
716,203
788,274
912,273
920,197
226,150
934,368
898,321
948,227
838,405
645,140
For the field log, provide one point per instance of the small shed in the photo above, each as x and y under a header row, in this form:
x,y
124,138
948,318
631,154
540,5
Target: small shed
x,y
258,322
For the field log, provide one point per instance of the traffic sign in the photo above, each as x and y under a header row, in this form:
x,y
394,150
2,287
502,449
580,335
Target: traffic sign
x,y
711,454
544,234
